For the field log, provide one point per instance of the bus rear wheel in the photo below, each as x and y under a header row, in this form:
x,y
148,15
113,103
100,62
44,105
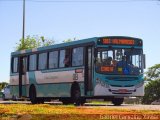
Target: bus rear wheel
x,y
32,95
117,101
83,100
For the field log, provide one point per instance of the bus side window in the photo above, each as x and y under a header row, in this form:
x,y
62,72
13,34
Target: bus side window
x,y
32,62
62,55
77,56
64,58
42,61
15,65
53,59
24,65
66,61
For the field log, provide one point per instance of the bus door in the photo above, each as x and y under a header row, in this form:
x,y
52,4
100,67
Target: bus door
x,y
88,70
22,75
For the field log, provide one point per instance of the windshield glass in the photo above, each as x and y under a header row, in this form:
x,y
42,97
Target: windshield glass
x,y
119,61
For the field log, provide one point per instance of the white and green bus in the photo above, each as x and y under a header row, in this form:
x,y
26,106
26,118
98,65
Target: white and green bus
x,y
108,68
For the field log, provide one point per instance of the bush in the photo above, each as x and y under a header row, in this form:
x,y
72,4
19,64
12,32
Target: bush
x,y
1,94
152,92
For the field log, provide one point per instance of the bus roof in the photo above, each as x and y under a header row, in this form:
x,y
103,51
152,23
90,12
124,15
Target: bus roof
x,y
61,45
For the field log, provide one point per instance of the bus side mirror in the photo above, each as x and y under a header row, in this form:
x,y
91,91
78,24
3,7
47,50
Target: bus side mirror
x,y
144,61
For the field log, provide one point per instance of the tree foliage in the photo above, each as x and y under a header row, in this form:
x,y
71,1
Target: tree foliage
x,y
33,42
152,92
152,89
153,72
69,40
2,85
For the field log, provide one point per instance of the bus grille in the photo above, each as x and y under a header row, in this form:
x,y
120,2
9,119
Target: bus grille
x,y
122,85
122,78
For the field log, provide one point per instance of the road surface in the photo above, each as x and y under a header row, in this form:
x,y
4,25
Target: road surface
x,y
89,105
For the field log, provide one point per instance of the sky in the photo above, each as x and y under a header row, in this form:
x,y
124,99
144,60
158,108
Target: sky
x,y
68,19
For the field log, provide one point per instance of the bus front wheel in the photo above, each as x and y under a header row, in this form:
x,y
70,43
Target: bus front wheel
x,y
117,101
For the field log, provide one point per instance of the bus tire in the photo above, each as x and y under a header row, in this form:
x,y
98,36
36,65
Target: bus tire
x,y
117,101
32,95
83,100
76,94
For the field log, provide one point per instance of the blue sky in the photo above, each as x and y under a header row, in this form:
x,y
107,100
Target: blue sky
x,y
63,20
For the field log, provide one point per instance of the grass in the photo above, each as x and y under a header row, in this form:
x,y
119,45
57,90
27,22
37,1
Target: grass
x,y
99,102
70,112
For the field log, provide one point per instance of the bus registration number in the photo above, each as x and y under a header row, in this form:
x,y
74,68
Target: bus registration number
x,y
122,90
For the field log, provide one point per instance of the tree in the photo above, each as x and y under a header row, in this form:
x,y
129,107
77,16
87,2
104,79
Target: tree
x,y
33,42
153,72
2,85
152,92
152,89
69,40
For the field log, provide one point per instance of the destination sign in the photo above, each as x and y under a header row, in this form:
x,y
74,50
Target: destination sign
x,y
107,69
118,41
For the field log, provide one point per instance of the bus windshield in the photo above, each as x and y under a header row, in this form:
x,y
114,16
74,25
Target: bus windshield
x,y
119,61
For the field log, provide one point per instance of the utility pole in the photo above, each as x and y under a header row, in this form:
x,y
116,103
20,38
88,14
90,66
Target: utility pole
x,y
21,58
23,29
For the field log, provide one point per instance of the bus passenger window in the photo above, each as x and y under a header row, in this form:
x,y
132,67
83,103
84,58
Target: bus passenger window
x,y
24,65
15,65
33,62
62,55
53,59
42,61
64,58
77,56
66,61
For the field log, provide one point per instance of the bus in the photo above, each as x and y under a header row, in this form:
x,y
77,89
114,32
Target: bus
x,y
109,68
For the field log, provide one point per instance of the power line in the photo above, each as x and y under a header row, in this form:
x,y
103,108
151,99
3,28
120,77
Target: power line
x,y
90,1
82,1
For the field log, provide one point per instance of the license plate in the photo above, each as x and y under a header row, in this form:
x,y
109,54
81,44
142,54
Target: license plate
x,y
123,90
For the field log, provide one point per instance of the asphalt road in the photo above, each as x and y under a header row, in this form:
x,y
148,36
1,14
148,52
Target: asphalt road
x,y
91,105
135,107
